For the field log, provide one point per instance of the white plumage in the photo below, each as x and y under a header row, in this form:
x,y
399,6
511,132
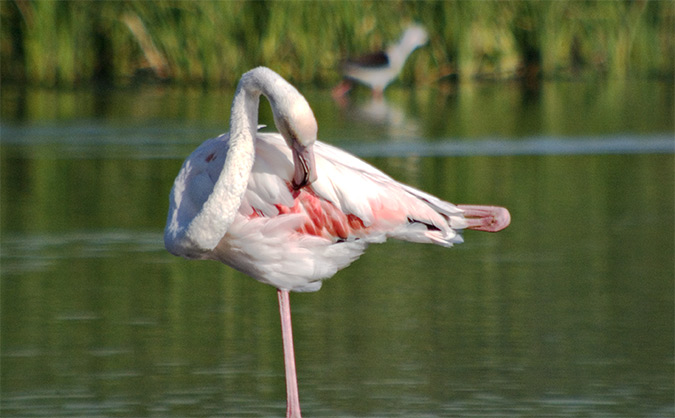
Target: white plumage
x,y
314,237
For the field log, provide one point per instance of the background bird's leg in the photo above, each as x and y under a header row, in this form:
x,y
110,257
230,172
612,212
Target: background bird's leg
x,y
341,89
292,398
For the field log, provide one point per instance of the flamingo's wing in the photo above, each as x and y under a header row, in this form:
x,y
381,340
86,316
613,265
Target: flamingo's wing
x,y
383,203
294,239
349,199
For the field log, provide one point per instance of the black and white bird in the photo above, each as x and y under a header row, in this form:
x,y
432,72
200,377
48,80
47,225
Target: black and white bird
x,y
379,69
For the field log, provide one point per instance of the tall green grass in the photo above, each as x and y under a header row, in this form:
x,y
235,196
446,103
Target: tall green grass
x,y
213,42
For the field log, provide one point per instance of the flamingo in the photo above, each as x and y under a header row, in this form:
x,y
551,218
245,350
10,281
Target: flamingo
x,y
377,70
291,211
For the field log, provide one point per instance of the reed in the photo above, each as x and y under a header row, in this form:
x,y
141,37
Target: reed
x,y
211,43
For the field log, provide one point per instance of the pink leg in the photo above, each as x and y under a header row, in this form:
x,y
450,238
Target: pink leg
x,y
292,398
341,89
378,94
486,218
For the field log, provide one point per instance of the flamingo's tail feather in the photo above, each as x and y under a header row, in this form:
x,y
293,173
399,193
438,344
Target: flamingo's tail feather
x,y
486,218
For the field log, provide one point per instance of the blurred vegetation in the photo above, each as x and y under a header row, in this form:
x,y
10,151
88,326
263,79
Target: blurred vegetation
x,y
65,43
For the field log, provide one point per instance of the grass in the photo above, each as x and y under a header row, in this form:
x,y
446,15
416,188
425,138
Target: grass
x,y
66,43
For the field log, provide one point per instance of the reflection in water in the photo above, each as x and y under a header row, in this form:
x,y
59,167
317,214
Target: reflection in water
x,y
378,115
566,313
380,112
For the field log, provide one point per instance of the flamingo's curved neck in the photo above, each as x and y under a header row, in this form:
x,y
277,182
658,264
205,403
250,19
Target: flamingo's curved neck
x,y
295,121
218,212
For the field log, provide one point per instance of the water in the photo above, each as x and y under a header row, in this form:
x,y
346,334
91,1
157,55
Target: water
x,y
567,313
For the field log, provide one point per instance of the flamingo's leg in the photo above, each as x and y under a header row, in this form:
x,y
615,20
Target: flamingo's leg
x,y
292,398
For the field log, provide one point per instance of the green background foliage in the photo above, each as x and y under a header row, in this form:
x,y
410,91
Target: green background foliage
x,y
211,43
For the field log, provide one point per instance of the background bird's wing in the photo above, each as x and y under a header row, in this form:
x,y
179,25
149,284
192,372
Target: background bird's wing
x,y
374,60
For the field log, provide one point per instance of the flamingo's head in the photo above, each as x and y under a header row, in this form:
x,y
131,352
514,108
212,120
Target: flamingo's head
x,y
297,124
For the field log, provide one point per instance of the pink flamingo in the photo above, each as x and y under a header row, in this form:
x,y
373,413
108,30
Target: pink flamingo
x,y
290,211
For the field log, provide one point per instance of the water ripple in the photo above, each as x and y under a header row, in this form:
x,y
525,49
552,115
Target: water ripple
x,y
655,144
175,142
38,252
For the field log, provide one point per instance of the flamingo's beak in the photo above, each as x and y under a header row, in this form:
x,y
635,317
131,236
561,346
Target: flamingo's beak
x,y
305,169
